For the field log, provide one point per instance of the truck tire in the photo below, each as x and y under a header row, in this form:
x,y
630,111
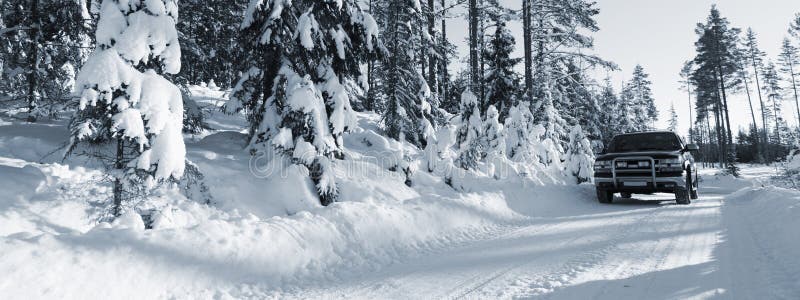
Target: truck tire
x,y
682,195
693,186
605,196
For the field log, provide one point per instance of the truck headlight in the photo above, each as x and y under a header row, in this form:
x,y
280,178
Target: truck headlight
x,y
670,164
602,164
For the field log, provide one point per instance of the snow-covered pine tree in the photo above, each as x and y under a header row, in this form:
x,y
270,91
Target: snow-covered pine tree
x,y
468,139
128,111
547,115
519,128
579,105
501,81
579,159
644,109
558,33
672,125
300,55
494,139
626,119
408,112
774,92
610,112
753,57
789,61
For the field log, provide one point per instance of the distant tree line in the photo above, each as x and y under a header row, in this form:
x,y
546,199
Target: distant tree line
x,y
728,62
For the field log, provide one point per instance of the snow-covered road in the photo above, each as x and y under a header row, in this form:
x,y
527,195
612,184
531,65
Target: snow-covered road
x,y
643,248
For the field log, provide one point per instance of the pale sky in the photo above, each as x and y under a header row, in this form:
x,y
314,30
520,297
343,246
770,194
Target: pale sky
x,y
660,36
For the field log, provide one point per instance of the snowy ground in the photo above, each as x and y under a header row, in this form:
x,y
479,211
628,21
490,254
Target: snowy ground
x,y
512,238
739,240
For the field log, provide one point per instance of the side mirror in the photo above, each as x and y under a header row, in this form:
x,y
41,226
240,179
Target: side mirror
x,y
692,147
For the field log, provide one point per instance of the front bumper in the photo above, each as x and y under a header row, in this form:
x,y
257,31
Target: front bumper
x,y
641,184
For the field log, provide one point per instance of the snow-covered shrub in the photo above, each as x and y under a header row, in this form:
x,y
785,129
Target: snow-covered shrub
x,y
519,132
126,107
791,168
300,57
471,148
579,159
494,139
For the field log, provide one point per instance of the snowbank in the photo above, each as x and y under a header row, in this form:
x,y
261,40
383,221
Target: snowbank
x,y
768,219
203,248
262,236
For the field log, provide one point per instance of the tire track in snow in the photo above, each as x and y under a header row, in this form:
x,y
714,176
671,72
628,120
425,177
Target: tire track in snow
x,y
658,253
383,286
478,281
569,270
779,279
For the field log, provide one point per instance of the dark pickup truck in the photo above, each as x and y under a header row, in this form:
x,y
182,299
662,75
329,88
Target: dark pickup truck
x,y
646,163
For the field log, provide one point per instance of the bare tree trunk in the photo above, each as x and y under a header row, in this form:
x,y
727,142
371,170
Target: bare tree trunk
x,y
444,64
33,60
691,107
777,124
759,155
526,36
763,114
794,87
720,139
370,100
482,59
432,84
725,111
708,136
473,47
117,209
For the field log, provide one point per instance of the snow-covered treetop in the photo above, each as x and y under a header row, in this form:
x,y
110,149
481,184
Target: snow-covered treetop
x,y
272,14
117,101
468,99
141,30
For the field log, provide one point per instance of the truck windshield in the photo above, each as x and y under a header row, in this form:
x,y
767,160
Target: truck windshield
x,y
656,141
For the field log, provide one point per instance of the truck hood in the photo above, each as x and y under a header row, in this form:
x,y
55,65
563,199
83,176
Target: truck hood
x,y
653,154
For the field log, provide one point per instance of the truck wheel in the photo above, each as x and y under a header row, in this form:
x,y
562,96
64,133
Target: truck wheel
x,y
692,186
605,196
682,195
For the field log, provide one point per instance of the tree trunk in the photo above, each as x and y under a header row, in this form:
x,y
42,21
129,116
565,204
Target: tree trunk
x,y
369,101
753,115
763,114
33,60
691,107
481,48
777,124
473,47
708,137
432,84
526,35
725,107
794,87
444,64
118,165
